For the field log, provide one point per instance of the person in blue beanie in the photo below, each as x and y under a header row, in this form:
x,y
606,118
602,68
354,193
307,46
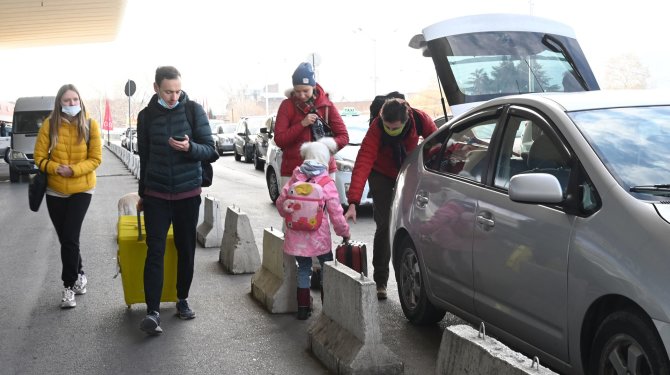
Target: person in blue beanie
x,y
306,115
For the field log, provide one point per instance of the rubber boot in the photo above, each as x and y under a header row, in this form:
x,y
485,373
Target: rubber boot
x,y
304,310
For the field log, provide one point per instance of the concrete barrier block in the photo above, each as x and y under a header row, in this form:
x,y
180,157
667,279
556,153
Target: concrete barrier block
x,y
462,351
275,283
346,337
239,253
210,232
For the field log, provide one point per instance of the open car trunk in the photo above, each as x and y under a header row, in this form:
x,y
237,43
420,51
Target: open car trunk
x,y
481,57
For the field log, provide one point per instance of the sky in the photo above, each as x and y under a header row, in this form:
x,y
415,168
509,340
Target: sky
x,y
221,47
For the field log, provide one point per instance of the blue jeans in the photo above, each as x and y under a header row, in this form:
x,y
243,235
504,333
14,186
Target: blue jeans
x,y
305,268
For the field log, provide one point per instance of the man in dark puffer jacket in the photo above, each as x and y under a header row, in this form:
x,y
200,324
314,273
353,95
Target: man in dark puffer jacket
x,y
170,151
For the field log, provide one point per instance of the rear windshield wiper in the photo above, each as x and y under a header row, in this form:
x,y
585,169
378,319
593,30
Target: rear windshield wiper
x,y
648,188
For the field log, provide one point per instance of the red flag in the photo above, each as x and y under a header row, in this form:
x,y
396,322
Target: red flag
x,y
107,122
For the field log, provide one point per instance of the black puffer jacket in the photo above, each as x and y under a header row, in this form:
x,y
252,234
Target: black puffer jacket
x,y
163,169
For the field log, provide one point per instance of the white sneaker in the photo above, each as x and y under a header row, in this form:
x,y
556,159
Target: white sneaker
x,y
80,285
68,299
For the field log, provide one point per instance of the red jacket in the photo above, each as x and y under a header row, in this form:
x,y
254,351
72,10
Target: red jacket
x,y
290,135
373,155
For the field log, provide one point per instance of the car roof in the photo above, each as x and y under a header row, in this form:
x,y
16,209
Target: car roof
x,y
578,101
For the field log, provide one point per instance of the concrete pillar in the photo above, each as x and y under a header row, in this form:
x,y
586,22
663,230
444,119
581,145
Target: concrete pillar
x,y
347,337
275,283
210,232
239,253
464,350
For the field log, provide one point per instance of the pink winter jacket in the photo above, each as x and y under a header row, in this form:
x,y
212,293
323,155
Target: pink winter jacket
x,y
317,242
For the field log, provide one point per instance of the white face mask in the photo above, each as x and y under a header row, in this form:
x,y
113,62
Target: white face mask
x,y
71,110
164,103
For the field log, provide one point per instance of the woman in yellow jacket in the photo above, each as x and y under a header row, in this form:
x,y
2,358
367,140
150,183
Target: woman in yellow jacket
x,y
68,148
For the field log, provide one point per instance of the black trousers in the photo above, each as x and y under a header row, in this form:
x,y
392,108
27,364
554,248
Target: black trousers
x,y
158,215
67,216
381,188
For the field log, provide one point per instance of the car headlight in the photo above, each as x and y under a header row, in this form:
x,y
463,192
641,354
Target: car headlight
x,y
344,165
16,155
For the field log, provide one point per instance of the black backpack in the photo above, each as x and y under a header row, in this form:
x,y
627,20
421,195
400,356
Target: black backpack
x,y
205,165
378,102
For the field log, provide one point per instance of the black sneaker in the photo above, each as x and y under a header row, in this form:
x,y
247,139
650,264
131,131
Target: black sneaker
x,y
183,311
151,324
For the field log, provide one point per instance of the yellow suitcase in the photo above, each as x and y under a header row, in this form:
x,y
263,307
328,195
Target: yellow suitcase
x,y
131,256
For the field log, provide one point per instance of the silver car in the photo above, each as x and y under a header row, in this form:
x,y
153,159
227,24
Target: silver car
x,y
560,245
543,214
357,126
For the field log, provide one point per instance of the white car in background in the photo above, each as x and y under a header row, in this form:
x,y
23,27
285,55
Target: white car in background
x,y
357,126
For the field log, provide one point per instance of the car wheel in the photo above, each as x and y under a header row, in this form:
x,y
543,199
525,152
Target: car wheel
x,y
412,290
273,185
627,343
258,163
13,175
238,157
219,150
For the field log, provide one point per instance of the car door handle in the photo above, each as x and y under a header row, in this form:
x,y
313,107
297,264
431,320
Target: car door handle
x,y
421,199
481,219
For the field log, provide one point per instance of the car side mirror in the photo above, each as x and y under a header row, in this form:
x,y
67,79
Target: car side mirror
x,y
539,188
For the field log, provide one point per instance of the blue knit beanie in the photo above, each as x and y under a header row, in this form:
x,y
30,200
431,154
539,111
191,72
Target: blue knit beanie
x,y
304,75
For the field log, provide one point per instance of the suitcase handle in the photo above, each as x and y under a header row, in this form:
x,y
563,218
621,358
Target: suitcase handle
x,y
139,227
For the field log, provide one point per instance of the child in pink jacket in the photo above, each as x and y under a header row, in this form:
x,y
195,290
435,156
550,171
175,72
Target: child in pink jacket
x,y
305,244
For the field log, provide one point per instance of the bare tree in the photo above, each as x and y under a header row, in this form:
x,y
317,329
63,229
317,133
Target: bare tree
x,y
625,72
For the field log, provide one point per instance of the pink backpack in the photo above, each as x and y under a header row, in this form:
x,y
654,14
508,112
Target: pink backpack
x,y
306,204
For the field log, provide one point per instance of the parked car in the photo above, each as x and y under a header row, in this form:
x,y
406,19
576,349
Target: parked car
x,y
245,133
126,137
29,114
562,250
357,126
5,139
543,215
261,142
223,133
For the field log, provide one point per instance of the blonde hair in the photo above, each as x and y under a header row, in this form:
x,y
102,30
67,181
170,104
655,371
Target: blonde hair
x,y
56,116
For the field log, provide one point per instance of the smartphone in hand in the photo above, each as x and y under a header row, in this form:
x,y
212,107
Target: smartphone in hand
x,y
178,138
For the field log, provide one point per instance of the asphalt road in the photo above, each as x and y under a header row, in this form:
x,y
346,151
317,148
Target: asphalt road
x,y
232,334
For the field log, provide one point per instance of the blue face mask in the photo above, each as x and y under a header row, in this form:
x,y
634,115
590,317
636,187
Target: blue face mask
x,y
71,110
165,105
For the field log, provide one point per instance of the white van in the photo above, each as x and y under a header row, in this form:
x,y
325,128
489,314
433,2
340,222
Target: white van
x,y
29,113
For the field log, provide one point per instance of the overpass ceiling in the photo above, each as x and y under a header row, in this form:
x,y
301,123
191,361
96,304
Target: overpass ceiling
x,y
38,23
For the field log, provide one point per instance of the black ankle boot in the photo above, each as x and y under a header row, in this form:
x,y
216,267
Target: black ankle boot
x,y
303,312
304,308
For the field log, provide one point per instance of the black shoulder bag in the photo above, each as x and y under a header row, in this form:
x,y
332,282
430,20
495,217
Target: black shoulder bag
x,y
38,186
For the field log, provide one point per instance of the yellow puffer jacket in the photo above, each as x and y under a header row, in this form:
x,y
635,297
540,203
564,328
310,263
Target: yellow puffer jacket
x,y
70,151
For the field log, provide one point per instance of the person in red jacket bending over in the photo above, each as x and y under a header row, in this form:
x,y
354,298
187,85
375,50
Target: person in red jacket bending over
x,y
306,115
391,137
